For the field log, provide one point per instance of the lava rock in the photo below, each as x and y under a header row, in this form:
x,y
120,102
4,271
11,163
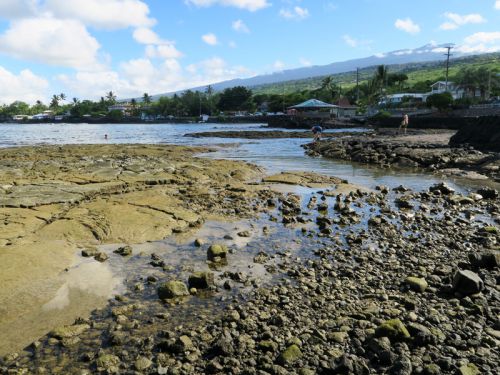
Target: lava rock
x,y
172,289
467,282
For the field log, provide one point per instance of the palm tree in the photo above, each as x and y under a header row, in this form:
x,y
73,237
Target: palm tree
x,y
146,98
111,97
54,103
62,96
329,85
381,76
75,101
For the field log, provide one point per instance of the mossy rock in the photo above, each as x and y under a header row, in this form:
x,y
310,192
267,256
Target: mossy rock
x,y
217,251
417,284
394,329
469,369
124,251
69,331
290,355
491,229
109,363
172,289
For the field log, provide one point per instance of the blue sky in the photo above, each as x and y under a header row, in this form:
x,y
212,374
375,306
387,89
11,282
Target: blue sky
x,y
85,48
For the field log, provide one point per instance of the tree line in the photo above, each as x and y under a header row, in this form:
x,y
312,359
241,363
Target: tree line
x,y
241,99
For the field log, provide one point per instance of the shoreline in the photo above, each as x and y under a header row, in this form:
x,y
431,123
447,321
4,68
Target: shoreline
x,y
418,149
319,276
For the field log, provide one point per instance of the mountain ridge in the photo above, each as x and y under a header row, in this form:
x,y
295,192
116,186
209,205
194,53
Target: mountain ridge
x,y
426,53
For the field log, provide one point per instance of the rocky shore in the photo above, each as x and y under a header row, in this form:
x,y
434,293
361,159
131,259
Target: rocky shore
x,y
428,150
248,134
330,279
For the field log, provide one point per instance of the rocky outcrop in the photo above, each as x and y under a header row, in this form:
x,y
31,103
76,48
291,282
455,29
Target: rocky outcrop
x,y
484,134
412,151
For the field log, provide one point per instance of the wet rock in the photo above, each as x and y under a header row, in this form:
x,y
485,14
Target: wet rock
x,y
124,251
69,331
489,260
89,253
199,242
443,188
172,289
101,257
268,346
217,251
416,283
183,344
261,258
469,369
201,280
338,337
402,366
394,329
142,363
290,355
488,193
109,363
467,282
350,364
244,233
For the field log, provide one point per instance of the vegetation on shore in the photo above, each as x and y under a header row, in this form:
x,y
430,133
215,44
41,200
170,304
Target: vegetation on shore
x,y
476,73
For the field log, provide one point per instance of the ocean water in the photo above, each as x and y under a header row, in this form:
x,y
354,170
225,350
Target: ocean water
x,y
275,155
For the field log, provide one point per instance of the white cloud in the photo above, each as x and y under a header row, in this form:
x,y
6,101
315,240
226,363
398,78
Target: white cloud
x,y
165,51
210,39
17,8
103,14
481,42
240,26
497,4
251,5
448,26
279,65
144,35
25,86
407,25
457,20
156,46
305,62
296,13
380,55
51,41
350,41
141,75
483,37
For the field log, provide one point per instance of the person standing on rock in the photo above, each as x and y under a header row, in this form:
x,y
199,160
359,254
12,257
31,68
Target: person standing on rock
x,y
404,123
317,130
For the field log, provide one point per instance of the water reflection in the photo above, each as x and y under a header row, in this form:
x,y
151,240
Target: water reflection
x,y
89,277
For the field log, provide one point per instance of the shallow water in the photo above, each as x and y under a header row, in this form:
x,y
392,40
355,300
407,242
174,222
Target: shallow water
x,y
275,155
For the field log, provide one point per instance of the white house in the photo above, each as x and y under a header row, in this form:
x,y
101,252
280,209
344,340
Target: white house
x,y
399,98
439,87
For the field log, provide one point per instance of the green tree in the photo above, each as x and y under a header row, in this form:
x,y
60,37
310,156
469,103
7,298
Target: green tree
x,y
146,99
237,98
111,97
440,101
54,103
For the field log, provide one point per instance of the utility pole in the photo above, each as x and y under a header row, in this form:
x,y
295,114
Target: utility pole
x,y
357,85
447,54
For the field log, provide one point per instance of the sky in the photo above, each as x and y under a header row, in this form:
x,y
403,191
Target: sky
x,y
86,48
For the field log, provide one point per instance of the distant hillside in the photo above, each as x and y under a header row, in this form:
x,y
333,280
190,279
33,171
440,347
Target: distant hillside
x,y
405,59
416,71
